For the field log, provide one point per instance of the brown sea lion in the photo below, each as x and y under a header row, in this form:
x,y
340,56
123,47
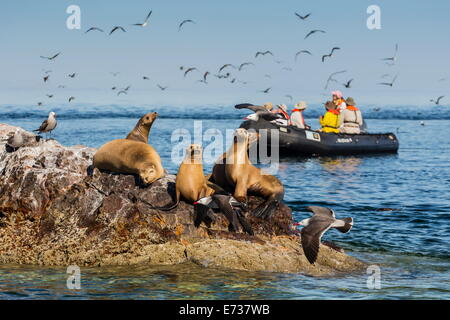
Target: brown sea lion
x,y
218,172
128,156
142,128
247,179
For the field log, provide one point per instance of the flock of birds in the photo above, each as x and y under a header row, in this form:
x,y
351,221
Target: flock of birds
x,y
231,72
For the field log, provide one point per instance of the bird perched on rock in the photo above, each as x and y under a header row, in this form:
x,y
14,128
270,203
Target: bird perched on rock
x,y
314,228
48,125
15,140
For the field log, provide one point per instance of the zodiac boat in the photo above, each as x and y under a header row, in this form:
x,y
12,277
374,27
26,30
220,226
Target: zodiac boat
x,y
294,141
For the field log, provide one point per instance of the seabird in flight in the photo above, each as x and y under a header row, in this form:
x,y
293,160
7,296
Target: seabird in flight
x,y
145,23
330,54
94,29
314,228
312,32
437,100
51,58
302,17
117,28
183,22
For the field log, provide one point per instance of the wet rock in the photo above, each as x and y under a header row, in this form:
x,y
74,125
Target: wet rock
x,y
55,209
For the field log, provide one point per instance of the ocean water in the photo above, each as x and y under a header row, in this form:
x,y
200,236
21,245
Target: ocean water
x,y
410,244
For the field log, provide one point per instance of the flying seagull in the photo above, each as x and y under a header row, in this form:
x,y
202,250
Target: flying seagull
x,y
289,96
162,88
302,17
183,22
94,29
347,84
245,64
263,53
265,91
189,70
72,75
312,32
71,99
314,228
394,57
46,78
330,78
390,84
122,92
51,58
145,23
49,96
330,54
205,75
300,52
145,78
48,125
437,100
117,28
226,66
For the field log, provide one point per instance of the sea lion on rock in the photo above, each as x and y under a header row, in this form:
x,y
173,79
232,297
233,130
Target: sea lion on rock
x,y
218,176
128,156
142,128
247,179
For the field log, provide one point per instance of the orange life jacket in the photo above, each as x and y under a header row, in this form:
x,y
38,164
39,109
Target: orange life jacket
x,y
352,108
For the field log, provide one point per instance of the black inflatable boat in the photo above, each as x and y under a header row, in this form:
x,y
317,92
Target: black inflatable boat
x,y
296,141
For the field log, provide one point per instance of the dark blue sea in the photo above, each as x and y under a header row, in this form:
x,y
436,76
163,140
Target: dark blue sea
x,y
409,244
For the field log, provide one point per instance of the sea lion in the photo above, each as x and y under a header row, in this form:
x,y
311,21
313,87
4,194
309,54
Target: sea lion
x,y
128,156
191,183
247,179
142,128
218,172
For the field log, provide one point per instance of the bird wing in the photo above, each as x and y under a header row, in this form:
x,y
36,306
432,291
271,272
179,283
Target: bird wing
x,y
324,56
321,211
268,116
268,52
310,237
258,53
335,48
223,202
148,16
250,107
43,126
189,70
439,99
183,22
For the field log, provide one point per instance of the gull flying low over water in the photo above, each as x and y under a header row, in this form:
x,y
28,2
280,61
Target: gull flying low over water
x,y
117,28
51,58
145,23
205,75
390,84
314,31
94,29
263,53
162,88
300,52
48,125
314,228
302,17
184,22
330,54
437,101
122,92
71,99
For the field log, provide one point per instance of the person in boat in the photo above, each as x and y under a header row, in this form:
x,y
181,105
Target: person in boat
x,y
297,119
330,122
268,106
352,120
338,100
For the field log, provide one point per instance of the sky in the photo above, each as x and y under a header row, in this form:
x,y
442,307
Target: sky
x,y
224,32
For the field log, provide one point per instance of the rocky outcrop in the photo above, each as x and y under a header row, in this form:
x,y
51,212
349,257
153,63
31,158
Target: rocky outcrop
x,y
56,210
